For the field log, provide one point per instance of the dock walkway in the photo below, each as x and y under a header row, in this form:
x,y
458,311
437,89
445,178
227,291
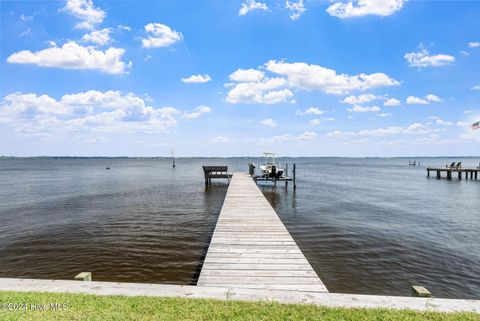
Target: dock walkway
x,y
251,248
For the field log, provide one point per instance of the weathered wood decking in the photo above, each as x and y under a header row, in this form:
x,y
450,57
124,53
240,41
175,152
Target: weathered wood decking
x,y
251,248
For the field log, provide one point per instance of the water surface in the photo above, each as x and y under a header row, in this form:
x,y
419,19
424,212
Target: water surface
x,y
373,226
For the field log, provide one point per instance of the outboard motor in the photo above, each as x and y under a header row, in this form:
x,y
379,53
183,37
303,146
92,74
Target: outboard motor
x,y
273,174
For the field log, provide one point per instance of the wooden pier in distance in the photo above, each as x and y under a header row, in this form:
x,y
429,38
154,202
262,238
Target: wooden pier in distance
x,y
251,248
473,172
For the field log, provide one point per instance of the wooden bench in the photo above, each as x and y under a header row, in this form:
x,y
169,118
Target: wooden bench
x,y
215,172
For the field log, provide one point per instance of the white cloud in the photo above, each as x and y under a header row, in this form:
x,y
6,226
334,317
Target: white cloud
x,y
477,87
310,111
359,8
412,100
265,91
124,27
27,18
352,100
317,121
220,140
474,44
98,37
314,77
440,121
364,109
197,79
247,75
307,136
199,111
269,122
25,32
297,9
415,128
160,35
424,59
96,111
251,5
433,98
74,56
391,102
252,86
85,11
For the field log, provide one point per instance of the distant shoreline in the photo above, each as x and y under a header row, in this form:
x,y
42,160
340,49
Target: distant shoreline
x,y
228,157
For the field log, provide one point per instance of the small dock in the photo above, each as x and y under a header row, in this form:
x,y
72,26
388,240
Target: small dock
x,y
251,248
466,172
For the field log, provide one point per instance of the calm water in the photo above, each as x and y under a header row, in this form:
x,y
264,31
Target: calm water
x,y
372,226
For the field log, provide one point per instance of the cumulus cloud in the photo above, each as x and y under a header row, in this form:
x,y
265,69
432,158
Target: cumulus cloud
x,y
160,35
197,112
251,5
74,56
359,99
433,98
96,111
392,102
314,77
247,75
360,8
412,100
310,111
474,44
297,9
86,12
197,79
253,86
269,122
264,91
423,58
98,37
363,109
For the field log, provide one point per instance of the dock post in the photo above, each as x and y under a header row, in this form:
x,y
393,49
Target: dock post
x,y
438,174
459,175
294,176
428,172
286,174
449,174
476,174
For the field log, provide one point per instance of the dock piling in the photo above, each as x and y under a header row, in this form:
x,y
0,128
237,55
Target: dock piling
x,y
294,176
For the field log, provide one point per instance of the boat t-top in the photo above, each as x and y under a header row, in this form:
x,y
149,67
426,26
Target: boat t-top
x,y
270,169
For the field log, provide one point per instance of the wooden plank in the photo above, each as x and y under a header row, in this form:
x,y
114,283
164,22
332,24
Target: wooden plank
x,y
251,248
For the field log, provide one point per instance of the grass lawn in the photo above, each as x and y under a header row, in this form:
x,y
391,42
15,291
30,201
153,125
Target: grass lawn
x,y
91,307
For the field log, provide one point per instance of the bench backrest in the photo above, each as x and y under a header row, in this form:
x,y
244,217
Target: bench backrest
x,y
208,169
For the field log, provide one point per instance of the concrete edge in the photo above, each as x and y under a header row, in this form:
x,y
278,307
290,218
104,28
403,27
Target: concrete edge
x,y
220,293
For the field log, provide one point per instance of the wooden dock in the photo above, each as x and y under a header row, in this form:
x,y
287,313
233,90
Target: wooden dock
x,y
251,248
472,172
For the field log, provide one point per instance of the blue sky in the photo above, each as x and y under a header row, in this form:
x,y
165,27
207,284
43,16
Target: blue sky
x,y
236,78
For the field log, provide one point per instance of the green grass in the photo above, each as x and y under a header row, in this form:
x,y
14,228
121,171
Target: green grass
x,y
91,307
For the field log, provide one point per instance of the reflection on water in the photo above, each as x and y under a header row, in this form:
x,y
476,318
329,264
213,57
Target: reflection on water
x,y
372,226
